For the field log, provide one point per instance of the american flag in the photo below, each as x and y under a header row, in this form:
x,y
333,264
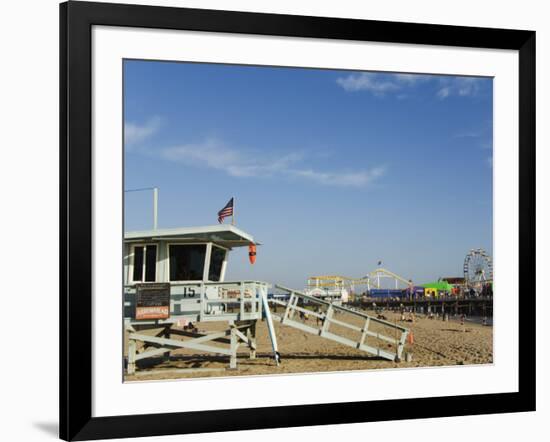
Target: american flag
x,y
226,211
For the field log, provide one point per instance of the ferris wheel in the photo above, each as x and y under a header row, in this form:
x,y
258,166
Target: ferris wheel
x,y
478,267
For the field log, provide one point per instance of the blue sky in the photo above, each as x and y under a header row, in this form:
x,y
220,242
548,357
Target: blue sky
x,y
331,170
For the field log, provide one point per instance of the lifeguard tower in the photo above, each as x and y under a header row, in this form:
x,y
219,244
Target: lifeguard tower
x,y
176,277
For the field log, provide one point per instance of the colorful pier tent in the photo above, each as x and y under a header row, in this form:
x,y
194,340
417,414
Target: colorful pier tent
x,y
433,288
438,285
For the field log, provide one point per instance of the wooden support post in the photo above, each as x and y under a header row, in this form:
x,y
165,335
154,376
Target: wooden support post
x,y
293,304
234,345
401,345
326,322
166,334
251,335
241,304
364,334
131,356
288,308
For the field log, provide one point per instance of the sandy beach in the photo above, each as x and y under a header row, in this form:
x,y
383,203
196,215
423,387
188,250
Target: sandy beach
x,y
436,343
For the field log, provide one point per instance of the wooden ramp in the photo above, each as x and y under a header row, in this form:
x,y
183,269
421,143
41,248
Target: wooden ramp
x,y
340,324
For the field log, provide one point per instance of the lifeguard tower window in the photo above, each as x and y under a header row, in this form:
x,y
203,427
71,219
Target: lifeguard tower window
x,y
216,262
145,267
187,262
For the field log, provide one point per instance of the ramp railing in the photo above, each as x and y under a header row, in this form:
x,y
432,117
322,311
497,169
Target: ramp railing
x,y
345,326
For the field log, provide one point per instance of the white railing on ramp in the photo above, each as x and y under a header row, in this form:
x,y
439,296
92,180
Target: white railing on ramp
x,y
340,324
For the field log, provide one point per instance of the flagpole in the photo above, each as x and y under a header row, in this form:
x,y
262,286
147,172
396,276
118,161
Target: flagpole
x,y
233,214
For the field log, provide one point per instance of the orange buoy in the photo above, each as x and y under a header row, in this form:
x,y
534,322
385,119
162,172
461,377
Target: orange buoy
x,y
252,253
410,338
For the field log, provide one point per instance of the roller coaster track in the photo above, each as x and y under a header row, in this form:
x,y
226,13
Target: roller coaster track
x,y
384,273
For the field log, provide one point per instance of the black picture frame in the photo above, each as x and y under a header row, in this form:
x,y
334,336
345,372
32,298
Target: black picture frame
x,y
76,21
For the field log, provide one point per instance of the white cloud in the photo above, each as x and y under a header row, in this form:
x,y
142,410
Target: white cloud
x,y
214,154
135,133
344,179
461,86
412,78
467,86
381,84
443,92
367,81
480,137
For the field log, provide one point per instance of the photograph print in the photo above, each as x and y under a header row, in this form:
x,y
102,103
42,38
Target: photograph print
x,y
283,220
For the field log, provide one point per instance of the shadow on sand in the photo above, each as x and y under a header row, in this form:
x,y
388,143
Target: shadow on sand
x,y
49,428
198,361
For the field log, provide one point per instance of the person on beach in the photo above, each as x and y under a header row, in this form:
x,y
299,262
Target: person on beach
x,y
319,319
